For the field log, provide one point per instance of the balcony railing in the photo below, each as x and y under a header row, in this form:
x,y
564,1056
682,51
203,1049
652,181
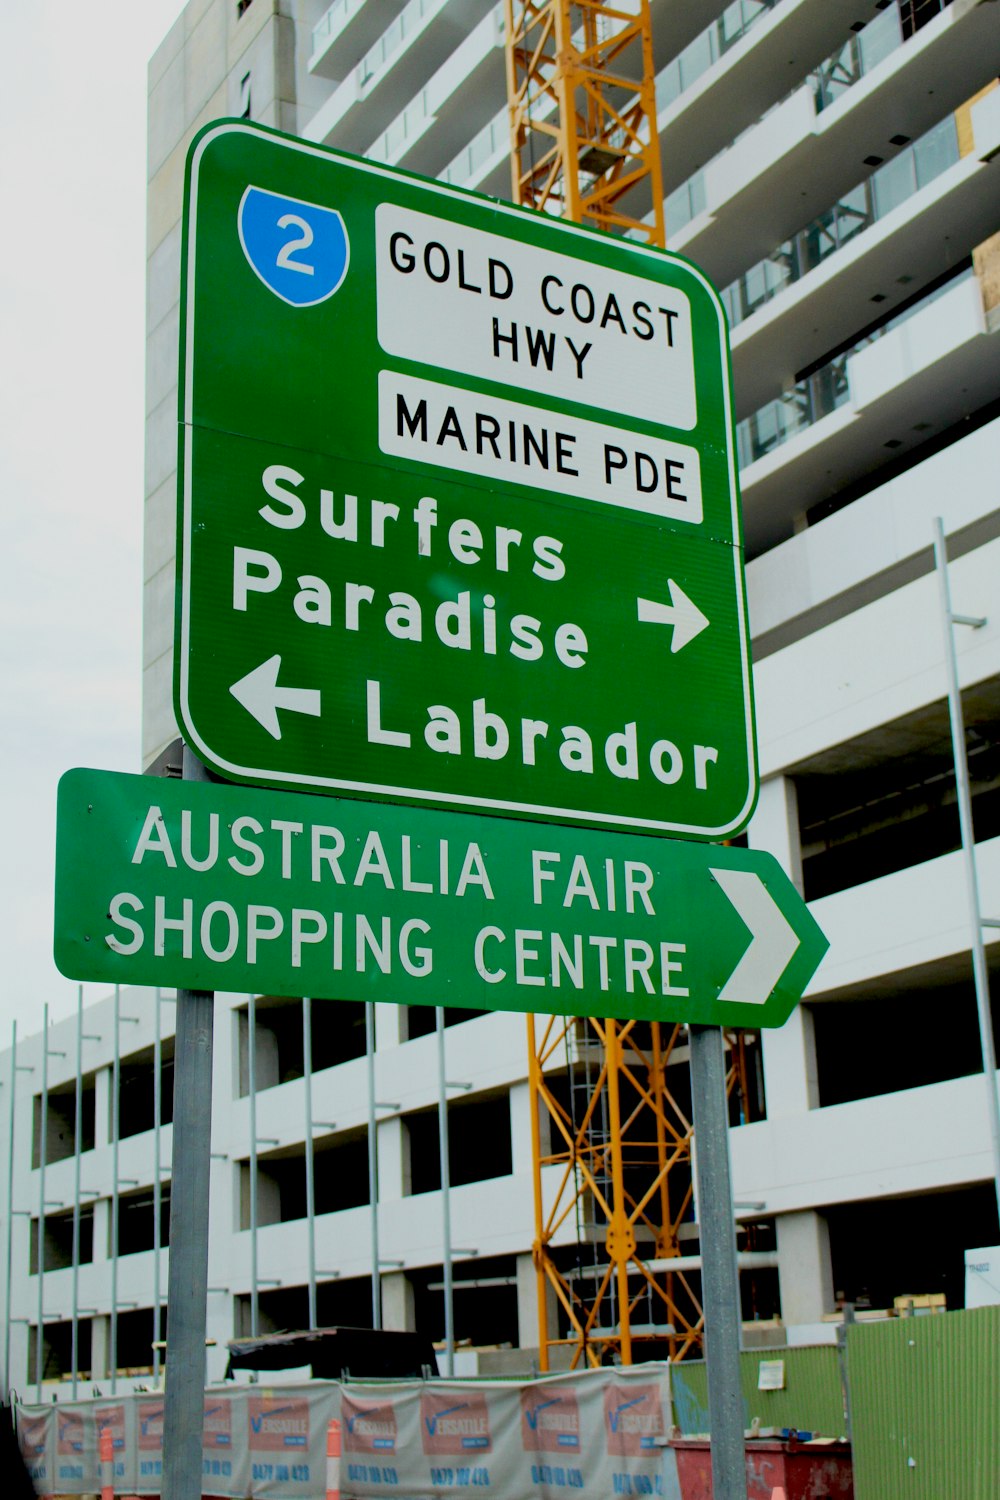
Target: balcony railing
x,y
405,127
858,56
392,39
858,210
825,390
494,136
830,81
334,19
706,49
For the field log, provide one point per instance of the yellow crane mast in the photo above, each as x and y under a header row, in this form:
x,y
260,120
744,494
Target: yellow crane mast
x,y
611,1131
582,97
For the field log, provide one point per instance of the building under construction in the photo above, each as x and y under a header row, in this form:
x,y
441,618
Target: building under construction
x,y
834,167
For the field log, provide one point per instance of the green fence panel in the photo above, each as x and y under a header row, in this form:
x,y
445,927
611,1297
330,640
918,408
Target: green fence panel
x,y
925,1406
811,1401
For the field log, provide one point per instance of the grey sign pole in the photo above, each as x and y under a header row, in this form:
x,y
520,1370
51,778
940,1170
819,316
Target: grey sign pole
x,y
307,1069
373,1166
77,1153
976,919
449,1290
157,1185
187,1276
719,1276
116,1084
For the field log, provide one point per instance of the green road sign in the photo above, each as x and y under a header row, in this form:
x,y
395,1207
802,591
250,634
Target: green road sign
x,y
458,510
208,886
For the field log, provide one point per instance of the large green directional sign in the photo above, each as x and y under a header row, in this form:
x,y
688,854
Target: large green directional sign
x,y
234,888
458,510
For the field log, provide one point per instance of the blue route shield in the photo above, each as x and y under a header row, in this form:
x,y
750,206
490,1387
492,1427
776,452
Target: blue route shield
x,y
299,250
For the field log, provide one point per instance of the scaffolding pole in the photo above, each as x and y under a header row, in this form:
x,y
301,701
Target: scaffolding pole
x,y
976,920
42,1153
10,1202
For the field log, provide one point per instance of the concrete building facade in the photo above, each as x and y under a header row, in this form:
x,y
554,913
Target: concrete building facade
x,y
834,166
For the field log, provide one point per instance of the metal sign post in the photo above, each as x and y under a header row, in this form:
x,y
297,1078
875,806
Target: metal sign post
x,y
719,1276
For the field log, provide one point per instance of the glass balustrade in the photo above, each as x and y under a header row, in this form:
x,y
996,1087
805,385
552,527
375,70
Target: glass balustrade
x,y
707,48
857,57
334,19
494,137
870,201
393,38
825,390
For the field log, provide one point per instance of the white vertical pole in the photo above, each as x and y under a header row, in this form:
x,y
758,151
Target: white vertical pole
x,y
43,1132
10,1201
449,1296
980,975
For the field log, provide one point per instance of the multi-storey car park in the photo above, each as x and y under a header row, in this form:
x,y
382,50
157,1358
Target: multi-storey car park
x,y
833,166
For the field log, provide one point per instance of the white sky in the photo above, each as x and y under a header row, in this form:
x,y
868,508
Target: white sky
x,y
72,270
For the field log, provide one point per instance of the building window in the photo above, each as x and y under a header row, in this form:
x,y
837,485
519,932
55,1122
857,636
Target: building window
x,y
245,94
241,6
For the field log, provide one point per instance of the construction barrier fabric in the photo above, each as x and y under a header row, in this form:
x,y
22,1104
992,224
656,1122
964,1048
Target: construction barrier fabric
x,y
590,1435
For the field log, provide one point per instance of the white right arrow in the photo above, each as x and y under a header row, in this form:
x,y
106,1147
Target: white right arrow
x,y
682,613
261,696
772,940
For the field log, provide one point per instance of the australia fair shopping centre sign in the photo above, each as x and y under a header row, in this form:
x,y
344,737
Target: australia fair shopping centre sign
x,y
458,512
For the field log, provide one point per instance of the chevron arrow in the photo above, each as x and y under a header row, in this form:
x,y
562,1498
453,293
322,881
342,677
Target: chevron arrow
x,y
772,940
261,696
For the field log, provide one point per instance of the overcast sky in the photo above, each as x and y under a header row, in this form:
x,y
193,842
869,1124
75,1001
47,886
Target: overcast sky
x,y
72,268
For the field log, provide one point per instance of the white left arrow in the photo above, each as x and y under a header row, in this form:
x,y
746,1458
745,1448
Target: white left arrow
x,y
772,940
682,613
261,696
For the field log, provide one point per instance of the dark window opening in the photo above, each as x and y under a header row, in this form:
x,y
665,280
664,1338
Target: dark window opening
x,y
136,1101
57,1350
914,14
882,471
242,6
485,1302
421,1020
479,1144
137,1221
879,1044
340,1180
60,1123
136,1332
58,1247
891,811
339,1304
895,1247
337,1035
